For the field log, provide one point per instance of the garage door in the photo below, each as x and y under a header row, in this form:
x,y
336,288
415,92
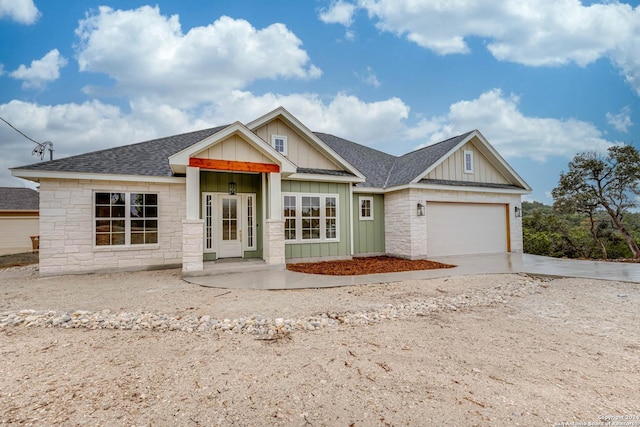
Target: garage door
x,y
466,228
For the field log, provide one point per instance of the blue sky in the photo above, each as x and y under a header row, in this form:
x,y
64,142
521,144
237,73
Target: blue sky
x,y
541,80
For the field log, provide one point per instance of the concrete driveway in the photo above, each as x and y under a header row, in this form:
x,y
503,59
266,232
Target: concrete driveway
x,y
465,265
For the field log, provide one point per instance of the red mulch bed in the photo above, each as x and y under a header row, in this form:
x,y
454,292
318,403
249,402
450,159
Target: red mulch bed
x,y
365,265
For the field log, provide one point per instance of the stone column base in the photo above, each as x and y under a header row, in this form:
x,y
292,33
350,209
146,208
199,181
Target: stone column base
x,y
274,242
192,245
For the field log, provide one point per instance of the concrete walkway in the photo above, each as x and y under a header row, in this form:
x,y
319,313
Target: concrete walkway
x,y
465,265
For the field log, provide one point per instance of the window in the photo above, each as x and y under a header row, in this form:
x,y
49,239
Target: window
x,y
126,219
468,161
289,217
310,217
366,208
251,221
279,142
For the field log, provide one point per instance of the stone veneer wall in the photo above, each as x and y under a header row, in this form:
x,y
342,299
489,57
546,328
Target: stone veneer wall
x,y
406,232
274,242
67,236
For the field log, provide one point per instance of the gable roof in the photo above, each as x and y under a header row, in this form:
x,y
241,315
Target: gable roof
x,y
312,138
19,199
179,160
163,157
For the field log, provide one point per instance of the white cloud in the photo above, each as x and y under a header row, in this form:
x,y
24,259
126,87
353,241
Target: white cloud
x,y
81,128
22,11
41,71
339,12
371,79
148,55
510,131
621,121
529,32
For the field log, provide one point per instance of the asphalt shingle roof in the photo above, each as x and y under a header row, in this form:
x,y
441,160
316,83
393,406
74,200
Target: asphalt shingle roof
x,y
19,199
384,170
151,158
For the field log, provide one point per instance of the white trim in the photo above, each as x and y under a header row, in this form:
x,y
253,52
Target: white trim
x,y
457,188
28,174
325,178
369,190
323,217
466,169
284,144
364,199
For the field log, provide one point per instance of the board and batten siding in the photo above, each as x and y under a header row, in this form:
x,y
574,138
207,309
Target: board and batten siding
x,y
236,149
368,235
452,168
218,182
338,249
299,151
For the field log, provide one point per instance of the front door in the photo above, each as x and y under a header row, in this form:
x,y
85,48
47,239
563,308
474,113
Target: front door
x,y
230,226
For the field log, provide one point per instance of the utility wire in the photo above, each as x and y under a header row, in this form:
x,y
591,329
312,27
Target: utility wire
x,y
18,130
40,146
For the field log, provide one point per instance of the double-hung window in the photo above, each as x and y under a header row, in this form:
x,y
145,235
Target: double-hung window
x,y
311,217
123,219
366,208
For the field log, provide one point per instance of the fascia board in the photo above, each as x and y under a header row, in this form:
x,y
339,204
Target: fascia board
x,y
36,175
441,187
320,177
368,190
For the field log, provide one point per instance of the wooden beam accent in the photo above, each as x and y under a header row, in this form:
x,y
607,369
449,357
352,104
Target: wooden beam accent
x,y
231,165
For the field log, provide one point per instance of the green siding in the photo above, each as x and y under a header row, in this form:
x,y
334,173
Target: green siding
x,y
368,236
328,249
218,182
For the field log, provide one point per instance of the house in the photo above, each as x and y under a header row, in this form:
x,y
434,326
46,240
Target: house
x,y
274,190
18,219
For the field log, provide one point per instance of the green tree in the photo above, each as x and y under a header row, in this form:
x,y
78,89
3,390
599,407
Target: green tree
x,y
610,183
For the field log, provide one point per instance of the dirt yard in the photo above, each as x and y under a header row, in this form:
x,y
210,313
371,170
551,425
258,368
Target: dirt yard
x,y
494,350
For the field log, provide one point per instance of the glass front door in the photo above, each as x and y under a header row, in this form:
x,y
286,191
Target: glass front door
x,y
230,227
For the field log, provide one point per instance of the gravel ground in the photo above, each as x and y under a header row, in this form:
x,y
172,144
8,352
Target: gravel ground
x,y
475,350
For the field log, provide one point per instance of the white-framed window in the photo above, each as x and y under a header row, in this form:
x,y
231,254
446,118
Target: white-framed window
x,y
279,142
468,161
250,206
311,217
125,219
365,208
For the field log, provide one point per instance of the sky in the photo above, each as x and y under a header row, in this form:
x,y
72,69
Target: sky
x,y
542,80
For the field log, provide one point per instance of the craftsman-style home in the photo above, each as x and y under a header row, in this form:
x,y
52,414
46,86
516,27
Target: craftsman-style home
x,y
273,190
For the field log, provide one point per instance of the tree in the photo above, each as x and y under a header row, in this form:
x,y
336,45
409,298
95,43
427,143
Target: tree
x,y
597,182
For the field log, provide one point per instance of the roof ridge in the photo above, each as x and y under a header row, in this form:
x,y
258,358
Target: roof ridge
x,y
439,142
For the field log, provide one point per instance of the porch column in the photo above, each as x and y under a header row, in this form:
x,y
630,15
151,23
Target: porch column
x,y
274,227
192,225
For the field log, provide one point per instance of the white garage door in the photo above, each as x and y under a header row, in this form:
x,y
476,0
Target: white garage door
x,y
466,228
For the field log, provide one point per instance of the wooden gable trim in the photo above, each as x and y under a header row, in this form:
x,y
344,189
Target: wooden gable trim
x,y
231,165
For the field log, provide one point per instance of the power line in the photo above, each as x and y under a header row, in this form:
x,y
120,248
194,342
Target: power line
x,y
18,130
40,147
